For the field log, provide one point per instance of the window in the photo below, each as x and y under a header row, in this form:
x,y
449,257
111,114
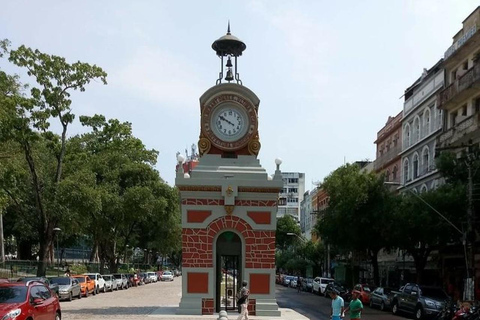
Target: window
x,y
423,189
405,171
415,165
464,110
406,138
453,119
394,173
426,122
387,176
416,129
425,159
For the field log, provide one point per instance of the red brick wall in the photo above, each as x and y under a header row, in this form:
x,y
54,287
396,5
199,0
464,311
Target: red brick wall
x,y
252,307
198,244
207,306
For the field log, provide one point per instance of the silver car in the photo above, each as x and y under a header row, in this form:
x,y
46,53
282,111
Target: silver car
x,y
121,280
67,288
110,282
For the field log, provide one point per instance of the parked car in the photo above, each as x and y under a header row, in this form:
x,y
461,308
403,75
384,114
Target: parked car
x,y
29,300
319,284
419,301
52,286
144,279
67,287
177,273
110,282
153,276
4,280
307,284
293,282
121,280
87,285
339,289
99,282
381,297
167,276
286,281
364,292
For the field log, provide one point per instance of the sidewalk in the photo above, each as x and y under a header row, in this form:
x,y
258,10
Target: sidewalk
x,y
169,312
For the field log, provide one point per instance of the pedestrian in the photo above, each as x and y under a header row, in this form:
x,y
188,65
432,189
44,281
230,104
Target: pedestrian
x,y
337,305
355,307
67,273
299,284
243,301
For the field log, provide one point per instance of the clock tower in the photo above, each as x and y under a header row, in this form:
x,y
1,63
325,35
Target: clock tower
x,y
228,201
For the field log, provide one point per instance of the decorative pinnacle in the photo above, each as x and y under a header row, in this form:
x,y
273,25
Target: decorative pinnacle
x,y
228,29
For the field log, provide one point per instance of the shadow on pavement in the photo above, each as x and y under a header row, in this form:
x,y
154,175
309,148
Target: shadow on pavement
x,y
145,310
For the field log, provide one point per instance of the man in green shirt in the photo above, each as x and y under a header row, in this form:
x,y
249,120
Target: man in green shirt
x,y
355,306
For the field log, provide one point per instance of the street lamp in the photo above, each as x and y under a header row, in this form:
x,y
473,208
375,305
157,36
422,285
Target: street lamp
x,y
291,234
57,231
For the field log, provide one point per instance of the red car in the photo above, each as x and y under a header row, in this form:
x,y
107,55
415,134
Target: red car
x,y
30,300
364,293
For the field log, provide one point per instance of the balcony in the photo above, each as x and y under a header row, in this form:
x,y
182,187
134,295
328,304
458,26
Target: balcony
x,y
387,157
461,88
459,133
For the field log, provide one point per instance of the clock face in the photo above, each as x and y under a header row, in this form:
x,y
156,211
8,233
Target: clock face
x,y
229,122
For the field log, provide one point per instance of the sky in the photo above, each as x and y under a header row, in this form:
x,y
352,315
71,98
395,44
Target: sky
x,y
328,73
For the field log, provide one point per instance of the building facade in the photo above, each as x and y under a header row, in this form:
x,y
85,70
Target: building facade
x,y
460,100
306,216
389,147
291,195
421,124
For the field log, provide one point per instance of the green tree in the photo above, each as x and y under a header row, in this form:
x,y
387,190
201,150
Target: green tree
x,y
359,213
419,229
285,226
49,99
129,202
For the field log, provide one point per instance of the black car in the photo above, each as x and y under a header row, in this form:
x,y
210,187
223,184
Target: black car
x,y
382,297
340,290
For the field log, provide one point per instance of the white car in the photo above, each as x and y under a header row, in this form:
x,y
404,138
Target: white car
x,y
166,276
320,283
153,276
99,281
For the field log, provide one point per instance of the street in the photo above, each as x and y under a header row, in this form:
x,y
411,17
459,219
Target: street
x,y
163,298
318,307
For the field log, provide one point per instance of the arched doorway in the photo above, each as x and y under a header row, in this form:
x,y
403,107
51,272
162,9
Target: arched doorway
x,y
228,270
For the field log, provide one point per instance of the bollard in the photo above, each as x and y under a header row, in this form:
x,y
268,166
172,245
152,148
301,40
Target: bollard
x,y
222,315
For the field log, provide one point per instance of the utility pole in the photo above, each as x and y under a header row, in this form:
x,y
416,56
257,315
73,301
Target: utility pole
x,y
2,245
470,292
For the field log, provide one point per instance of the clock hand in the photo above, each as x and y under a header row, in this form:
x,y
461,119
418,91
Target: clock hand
x,y
227,121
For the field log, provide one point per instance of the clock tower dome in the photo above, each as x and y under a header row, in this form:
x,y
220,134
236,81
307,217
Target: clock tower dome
x,y
228,201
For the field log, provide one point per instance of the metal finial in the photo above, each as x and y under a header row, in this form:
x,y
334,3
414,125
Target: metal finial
x,y
228,29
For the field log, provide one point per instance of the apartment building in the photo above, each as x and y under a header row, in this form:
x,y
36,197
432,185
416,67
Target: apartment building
x,y
291,195
421,125
460,100
306,215
389,147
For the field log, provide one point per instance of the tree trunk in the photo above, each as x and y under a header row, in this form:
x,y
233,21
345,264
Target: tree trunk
x,y
420,257
374,260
